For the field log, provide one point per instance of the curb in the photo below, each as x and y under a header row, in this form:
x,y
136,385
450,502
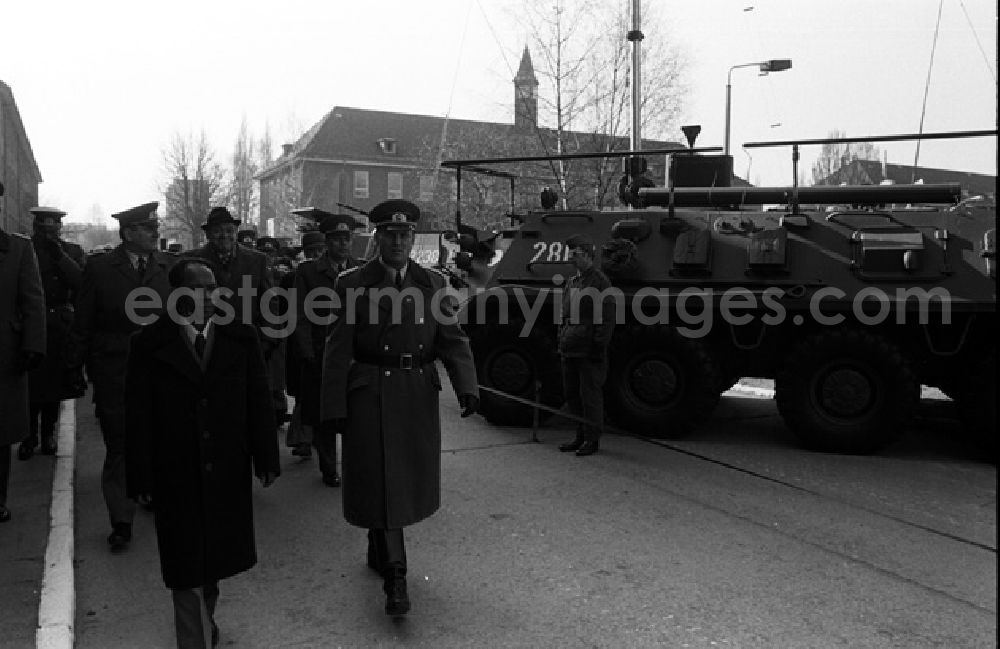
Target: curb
x,y
57,607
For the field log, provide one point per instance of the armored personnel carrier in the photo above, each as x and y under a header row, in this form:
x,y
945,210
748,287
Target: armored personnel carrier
x,y
848,297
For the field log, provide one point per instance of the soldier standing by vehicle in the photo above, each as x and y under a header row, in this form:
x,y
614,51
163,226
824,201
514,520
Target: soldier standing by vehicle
x,y
22,344
310,336
100,336
380,388
60,264
583,345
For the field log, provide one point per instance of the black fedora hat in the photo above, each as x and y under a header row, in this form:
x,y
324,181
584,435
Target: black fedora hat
x,y
219,215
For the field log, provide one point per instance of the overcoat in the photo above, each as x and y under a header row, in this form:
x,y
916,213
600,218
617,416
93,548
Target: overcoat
x,y
309,338
22,328
61,279
197,434
101,327
391,456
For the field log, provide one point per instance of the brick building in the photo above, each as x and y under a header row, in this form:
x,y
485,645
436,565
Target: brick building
x,y
360,157
18,169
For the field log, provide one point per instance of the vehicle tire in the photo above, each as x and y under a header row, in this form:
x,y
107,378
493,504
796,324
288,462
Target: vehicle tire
x,y
509,363
846,391
660,384
976,402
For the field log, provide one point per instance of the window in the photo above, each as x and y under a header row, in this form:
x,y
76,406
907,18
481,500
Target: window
x,y
387,145
427,188
395,184
360,184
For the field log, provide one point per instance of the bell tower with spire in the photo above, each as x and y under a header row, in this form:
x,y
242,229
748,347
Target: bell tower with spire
x,y
525,96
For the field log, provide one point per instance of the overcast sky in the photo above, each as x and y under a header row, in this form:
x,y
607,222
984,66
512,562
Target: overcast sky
x,y
101,85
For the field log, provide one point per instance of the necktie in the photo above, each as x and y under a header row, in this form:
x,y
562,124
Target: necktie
x,y
199,345
399,279
141,266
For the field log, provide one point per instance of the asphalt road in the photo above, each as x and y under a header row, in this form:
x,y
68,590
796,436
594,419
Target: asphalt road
x,y
733,538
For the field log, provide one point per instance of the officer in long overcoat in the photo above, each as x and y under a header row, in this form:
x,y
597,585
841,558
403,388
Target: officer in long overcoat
x,y
199,428
100,334
22,344
310,332
381,385
60,264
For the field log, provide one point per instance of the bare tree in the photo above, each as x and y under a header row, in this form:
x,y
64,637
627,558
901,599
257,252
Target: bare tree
x,y
194,183
584,64
833,165
243,196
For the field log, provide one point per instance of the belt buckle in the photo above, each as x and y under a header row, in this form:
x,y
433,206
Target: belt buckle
x,y
406,361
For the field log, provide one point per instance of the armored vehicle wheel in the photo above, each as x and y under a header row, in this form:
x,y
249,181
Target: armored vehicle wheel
x,y
511,364
976,401
661,384
846,391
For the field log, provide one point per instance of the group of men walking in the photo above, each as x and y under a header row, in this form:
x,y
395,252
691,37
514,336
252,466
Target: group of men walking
x,y
184,403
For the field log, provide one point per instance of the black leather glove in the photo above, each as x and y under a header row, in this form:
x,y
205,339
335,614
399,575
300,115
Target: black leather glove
x,y
28,361
469,404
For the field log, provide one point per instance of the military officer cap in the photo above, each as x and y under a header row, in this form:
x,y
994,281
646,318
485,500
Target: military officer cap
x,y
263,243
312,238
580,241
395,214
246,236
144,214
219,215
313,213
337,223
47,214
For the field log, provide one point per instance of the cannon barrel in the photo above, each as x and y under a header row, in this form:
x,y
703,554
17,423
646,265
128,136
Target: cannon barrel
x,y
722,197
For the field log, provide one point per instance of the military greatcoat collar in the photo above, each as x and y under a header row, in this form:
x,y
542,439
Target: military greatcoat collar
x,y
373,273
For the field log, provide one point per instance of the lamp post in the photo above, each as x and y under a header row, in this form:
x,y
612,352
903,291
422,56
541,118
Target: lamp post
x,y
773,65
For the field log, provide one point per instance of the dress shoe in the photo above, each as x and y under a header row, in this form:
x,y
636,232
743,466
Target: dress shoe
x,y
25,451
571,446
49,447
332,480
4,514
397,602
215,634
587,448
120,537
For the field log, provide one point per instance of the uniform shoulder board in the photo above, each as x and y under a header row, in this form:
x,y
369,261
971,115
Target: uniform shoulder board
x,y
440,273
22,236
348,271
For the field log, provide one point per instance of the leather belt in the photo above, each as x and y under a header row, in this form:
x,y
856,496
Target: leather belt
x,y
395,361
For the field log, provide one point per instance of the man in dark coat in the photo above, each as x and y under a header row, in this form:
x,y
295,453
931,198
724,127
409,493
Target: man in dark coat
x,y
60,264
199,428
22,344
311,329
584,336
133,274
380,387
235,265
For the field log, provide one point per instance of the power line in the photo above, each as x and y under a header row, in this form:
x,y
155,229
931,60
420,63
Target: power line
x,y
975,35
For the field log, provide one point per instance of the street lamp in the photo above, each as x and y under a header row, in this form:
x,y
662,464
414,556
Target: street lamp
x,y
774,65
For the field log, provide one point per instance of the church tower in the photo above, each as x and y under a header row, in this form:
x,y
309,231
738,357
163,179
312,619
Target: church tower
x,y
525,96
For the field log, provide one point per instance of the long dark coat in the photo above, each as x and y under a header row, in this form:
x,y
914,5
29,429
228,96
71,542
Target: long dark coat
x,y
61,279
392,446
309,338
22,328
196,437
101,327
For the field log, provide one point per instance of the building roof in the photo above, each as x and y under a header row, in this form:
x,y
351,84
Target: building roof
x,y
357,135
526,71
874,172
